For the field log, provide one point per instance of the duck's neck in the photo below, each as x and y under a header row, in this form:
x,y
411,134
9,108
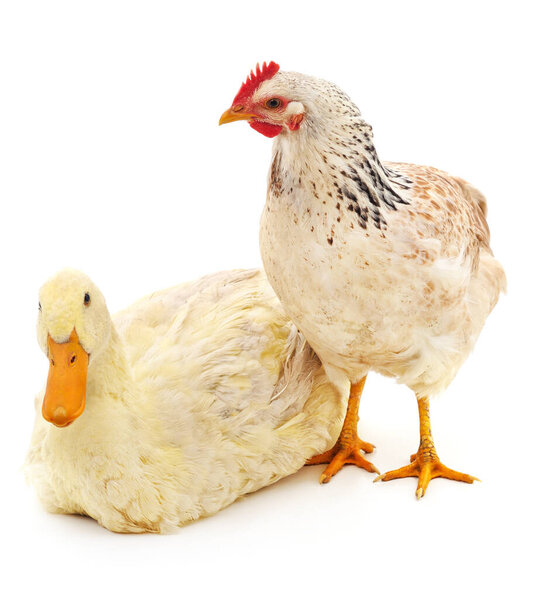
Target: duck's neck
x,y
109,373
111,396
97,464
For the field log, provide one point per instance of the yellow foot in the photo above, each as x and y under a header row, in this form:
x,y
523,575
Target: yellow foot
x,y
425,468
341,455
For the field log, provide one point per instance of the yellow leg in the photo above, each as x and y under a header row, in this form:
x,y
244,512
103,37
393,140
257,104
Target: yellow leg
x,y
425,463
348,446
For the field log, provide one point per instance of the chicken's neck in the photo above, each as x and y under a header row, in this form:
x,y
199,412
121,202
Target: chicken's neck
x,y
334,160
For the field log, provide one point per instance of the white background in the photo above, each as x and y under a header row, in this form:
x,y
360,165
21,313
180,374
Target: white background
x,y
111,161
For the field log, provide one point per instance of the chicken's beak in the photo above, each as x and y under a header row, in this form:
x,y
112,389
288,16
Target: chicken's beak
x,y
64,399
235,113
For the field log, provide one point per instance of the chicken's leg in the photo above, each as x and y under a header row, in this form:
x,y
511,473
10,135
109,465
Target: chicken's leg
x,y
425,463
348,446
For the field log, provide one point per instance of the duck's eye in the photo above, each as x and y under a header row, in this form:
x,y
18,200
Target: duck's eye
x,y
273,103
87,299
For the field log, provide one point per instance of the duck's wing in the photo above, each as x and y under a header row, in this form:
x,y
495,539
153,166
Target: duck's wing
x,y
143,324
220,348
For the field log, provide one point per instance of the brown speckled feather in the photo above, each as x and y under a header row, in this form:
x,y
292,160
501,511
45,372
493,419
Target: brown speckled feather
x,y
446,208
382,266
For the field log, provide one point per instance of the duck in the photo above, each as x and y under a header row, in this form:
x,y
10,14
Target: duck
x,y
175,407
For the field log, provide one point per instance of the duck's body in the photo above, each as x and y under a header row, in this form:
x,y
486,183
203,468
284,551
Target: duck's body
x,y
200,394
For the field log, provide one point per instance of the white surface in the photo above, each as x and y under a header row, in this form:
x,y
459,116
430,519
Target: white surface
x,y
112,162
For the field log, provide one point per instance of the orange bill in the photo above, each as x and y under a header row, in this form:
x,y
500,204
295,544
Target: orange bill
x,y
236,113
64,399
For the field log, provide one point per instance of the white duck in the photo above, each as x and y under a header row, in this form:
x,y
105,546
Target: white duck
x,y
183,402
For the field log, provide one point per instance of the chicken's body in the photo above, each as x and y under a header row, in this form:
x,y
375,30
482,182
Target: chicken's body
x,y
405,292
382,266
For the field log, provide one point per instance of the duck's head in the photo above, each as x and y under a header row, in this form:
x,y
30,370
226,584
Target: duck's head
x,y
73,326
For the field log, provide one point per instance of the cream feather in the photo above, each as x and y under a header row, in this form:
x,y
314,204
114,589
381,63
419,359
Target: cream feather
x,y
196,395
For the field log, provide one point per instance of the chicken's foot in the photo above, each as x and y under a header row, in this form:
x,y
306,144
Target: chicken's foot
x,y
348,446
425,463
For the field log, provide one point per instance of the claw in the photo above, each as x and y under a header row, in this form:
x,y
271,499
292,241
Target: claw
x,y
339,456
425,470
348,448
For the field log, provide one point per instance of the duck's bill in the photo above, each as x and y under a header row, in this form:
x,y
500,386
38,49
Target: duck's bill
x,y
64,399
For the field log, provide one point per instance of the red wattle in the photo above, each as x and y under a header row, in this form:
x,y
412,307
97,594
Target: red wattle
x,y
267,129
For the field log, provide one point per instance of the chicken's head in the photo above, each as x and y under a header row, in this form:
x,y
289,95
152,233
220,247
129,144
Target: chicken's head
x,y
265,101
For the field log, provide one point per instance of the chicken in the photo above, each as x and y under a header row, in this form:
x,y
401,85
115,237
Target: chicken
x,y
382,266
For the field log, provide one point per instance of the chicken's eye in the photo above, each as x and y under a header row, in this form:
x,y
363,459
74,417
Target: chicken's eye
x,y
273,103
39,306
87,299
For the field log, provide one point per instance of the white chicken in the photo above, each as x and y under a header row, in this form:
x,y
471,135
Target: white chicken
x,y
382,266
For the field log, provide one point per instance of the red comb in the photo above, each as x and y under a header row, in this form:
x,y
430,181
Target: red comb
x,y
254,79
